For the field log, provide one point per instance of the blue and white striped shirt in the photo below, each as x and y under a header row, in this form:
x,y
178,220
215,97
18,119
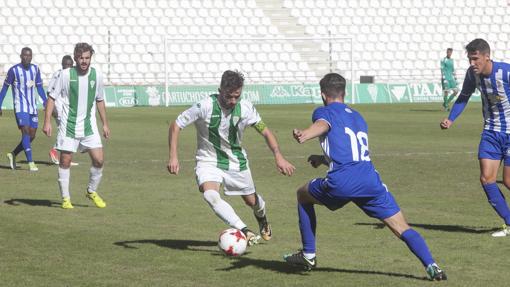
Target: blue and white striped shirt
x,y
23,84
495,93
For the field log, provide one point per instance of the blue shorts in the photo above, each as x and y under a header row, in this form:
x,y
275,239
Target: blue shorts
x,y
380,206
494,145
26,119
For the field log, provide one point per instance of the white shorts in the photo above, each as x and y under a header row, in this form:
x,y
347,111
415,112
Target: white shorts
x,y
234,182
83,144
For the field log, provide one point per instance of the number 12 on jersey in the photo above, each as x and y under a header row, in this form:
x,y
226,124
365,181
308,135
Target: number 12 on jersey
x,y
361,139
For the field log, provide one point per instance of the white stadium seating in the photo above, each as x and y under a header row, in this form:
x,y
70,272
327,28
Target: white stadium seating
x,y
393,40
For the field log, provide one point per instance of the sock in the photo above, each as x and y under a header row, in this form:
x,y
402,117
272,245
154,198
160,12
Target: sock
x,y
25,141
223,210
445,101
94,178
309,256
307,225
18,149
497,200
417,245
64,175
259,209
450,98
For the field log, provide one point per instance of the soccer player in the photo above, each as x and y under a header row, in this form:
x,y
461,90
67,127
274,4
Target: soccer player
x,y
492,80
448,79
67,62
81,92
24,78
351,177
220,121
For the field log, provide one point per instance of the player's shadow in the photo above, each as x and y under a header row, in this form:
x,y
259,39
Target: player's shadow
x,y
283,267
37,162
8,167
194,245
441,227
36,202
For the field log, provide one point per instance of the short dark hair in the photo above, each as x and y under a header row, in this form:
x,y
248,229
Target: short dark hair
x,y
449,49
333,85
26,49
67,58
479,45
81,48
231,81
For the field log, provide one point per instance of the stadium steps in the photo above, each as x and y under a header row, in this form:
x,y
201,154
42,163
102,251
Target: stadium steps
x,y
288,25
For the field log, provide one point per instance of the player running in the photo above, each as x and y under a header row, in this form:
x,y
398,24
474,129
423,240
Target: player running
x,y
80,90
448,79
220,121
351,178
492,80
24,78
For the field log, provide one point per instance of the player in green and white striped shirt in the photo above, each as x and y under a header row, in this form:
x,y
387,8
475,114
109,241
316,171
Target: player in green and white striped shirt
x,y
220,121
80,91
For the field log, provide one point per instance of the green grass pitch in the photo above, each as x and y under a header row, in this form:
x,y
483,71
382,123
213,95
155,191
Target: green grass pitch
x,y
158,231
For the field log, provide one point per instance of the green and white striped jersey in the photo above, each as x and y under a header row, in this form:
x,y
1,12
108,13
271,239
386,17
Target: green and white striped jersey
x,y
220,131
78,96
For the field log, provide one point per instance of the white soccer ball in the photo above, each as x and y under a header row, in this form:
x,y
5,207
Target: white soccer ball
x,y
232,242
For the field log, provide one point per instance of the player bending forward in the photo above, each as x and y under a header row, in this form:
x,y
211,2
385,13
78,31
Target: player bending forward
x,y
351,177
220,121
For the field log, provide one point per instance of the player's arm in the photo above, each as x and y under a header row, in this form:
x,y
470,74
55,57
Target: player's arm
x,y
8,81
184,119
318,128
101,109
458,107
173,139
282,164
39,85
50,104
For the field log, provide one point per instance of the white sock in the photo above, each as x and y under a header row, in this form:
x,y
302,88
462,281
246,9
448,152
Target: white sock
x,y
64,175
309,255
94,178
260,207
222,209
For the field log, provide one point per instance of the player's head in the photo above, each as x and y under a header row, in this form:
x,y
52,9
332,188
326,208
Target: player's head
x,y
231,87
82,56
479,55
449,52
332,87
26,57
67,62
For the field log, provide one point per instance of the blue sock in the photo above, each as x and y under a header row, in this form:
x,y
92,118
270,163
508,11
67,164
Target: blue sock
x,y
417,245
497,200
18,149
25,141
307,224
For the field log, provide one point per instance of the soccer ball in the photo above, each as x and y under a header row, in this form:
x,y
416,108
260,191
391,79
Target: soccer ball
x,y
232,242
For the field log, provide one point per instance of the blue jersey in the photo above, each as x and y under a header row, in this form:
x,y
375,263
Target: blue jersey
x,y
495,92
24,83
351,172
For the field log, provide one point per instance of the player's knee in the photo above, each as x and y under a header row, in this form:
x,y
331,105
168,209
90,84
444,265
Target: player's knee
x,y
486,179
98,163
506,182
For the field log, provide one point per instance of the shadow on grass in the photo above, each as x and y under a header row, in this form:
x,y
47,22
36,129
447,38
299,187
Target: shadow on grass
x,y
283,267
36,202
245,261
441,227
195,245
